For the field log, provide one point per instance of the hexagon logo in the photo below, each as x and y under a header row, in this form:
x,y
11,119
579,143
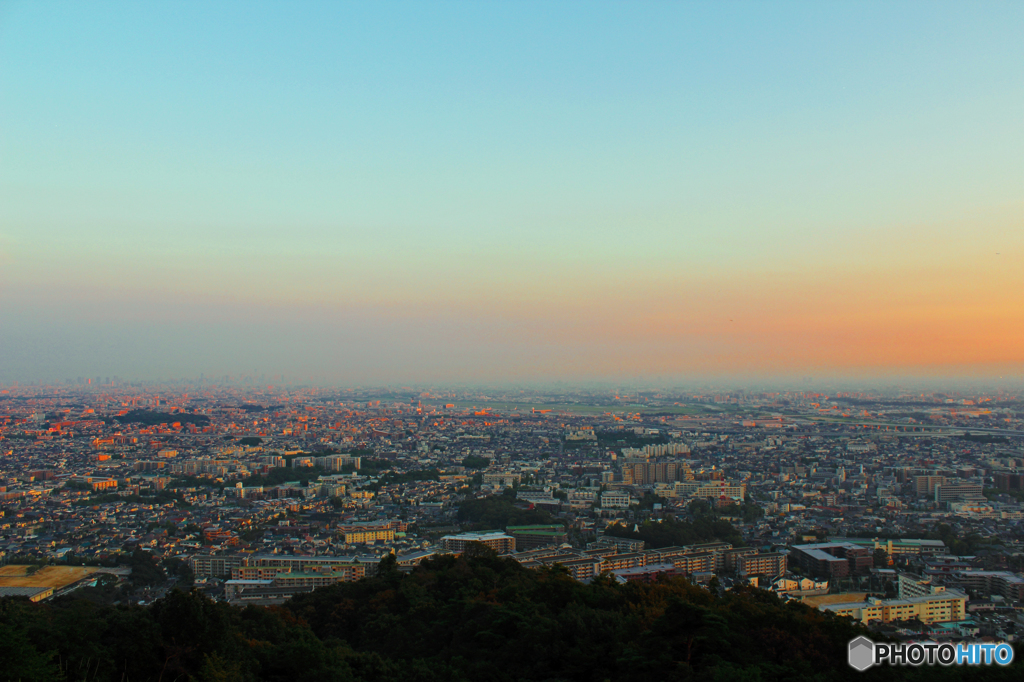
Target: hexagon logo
x,y
862,654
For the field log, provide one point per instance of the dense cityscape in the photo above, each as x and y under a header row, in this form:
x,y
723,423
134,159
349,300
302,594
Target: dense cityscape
x,y
901,511
511,341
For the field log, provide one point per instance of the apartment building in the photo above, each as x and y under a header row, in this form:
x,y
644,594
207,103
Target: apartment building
x,y
215,565
314,579
362,533
647,573
501,478
730,557
915,586
988,583
926,484
286,584
614,499
896,547
716,549
300,564
720,489
952,492
621,544
258,572
334,462
696,562
582,568
1008,480
832,559
770,564
495,539
616,562
647,473
943,607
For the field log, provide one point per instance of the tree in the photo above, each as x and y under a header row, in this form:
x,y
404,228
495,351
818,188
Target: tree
x,y
477,550
476,462
387,565
499,511
649,500
699,508
881,558
671,532
20,660
181,570
475,616
145,571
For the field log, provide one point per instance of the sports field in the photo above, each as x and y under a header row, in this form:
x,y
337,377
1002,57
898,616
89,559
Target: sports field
x,y
844,598
47,576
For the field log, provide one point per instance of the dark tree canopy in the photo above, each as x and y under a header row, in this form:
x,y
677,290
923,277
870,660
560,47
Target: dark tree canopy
x,y
477,617
500,511
476,462
671,532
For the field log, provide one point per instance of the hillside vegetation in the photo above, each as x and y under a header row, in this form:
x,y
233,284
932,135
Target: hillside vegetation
x,y
474,618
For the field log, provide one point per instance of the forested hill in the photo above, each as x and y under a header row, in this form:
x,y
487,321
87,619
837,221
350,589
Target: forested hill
x,y
468,618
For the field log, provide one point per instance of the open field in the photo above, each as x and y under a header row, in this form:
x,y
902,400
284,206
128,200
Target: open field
x,y
47,576
844,598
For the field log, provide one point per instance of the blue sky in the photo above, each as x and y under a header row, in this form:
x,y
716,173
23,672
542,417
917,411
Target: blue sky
x,y
536,173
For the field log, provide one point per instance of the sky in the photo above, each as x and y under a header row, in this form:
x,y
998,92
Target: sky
x,y
371,193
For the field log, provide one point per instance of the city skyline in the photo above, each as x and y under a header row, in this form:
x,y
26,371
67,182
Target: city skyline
x,y
512,194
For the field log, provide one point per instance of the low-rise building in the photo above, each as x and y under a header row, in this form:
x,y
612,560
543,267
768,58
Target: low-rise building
x,y
215,565
943,607
615,499
832,559
362,533
494,539
988,583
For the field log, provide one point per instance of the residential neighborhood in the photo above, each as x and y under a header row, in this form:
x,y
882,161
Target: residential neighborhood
x,y
902,512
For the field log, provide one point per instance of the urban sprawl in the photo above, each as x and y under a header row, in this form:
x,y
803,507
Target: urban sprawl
x,y
901,510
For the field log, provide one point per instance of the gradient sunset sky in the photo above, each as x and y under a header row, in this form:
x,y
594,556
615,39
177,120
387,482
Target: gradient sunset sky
x,y
486,192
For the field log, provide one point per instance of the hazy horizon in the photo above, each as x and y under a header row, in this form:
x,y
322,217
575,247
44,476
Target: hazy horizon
x,y
254,385
513,193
